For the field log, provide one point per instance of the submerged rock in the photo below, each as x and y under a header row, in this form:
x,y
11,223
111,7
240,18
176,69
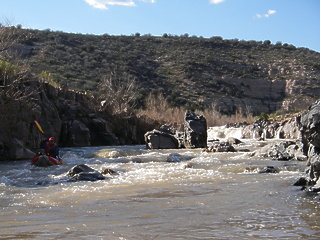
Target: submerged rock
x,y
233,140
301,182
269,169
84,173
220,147
188,165
176,157
109,171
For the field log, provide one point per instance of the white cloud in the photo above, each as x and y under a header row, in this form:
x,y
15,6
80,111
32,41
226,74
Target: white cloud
x,y
216,1
271,12
266,15
103,4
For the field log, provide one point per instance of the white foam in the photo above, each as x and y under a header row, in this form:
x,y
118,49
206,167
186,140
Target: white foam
x,y
224,132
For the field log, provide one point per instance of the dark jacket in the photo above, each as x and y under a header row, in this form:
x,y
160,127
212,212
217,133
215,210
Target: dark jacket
x,y
51,149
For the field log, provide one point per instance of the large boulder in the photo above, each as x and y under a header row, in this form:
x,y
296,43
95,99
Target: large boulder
x,y
290,129
74,134
282,151
256,130
194,134
220,147
18,151
99,133
156,139
195,131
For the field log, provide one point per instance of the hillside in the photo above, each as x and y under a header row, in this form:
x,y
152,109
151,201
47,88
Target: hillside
x,y
194,72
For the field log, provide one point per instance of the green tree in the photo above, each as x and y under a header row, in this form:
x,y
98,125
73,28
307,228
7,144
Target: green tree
x,y
267,42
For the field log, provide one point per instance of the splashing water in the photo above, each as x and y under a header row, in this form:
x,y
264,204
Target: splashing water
x,y
204,196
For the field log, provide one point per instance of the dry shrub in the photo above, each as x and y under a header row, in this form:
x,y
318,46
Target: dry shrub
x,y
118,92
158,108
214,118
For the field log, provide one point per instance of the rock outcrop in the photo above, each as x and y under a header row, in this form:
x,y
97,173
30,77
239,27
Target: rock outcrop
x,y
18,150
195,130
68,116
283,151
310,121
193,136
86,132
265,129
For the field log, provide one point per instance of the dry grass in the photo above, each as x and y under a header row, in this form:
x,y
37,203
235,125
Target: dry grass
x,y
158,108
214,118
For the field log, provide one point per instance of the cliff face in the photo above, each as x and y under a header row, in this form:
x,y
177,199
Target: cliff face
x,y
268,95
68,116
310,129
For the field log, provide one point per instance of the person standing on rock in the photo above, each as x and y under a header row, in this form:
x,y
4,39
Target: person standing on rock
x,y
51,148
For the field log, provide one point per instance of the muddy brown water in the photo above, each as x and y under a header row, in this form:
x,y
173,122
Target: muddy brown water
x,y
219,196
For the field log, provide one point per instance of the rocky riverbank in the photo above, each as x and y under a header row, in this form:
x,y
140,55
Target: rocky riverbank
x,y
310,129
299,139
70,117
73,118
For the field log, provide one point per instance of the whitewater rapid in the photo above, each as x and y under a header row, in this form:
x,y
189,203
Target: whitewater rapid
x,y
205,196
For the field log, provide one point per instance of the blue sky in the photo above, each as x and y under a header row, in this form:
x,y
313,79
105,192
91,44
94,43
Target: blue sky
x,y
294,22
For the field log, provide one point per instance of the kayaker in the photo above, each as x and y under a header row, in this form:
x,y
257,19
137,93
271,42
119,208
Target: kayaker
x,y
51,148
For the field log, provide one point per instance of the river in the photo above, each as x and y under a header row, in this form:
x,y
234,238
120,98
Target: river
x,y
219,196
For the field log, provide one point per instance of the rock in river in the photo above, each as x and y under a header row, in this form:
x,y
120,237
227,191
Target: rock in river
x,y
84,173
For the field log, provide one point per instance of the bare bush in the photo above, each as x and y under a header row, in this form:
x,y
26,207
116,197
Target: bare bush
x,y
118,92
14,91
10,40
158,108
214,118
6,39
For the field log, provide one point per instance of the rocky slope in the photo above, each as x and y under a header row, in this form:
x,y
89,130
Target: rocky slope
x,y
189,71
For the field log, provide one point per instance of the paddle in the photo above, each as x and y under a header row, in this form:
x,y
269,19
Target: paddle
x,y
38,126
40,129
62,163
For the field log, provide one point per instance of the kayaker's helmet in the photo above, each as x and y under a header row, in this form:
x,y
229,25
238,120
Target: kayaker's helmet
x,y
51,139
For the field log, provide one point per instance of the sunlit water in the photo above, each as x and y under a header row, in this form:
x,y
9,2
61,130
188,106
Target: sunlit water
x,y
222,196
